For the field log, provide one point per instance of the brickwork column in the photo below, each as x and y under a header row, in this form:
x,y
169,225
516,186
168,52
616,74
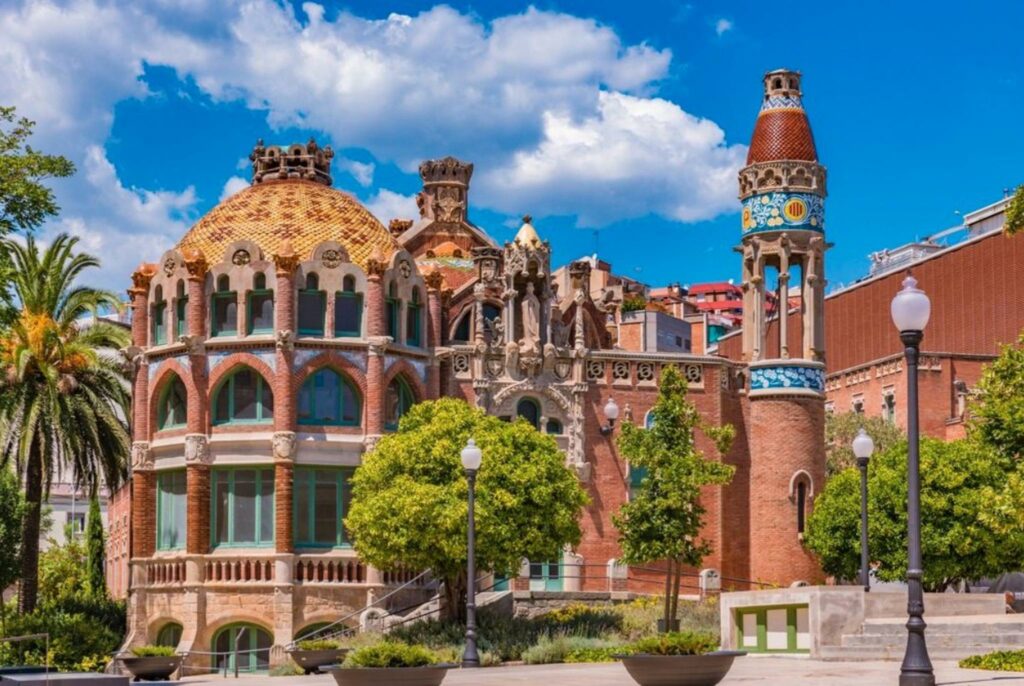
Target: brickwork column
x,y
375,333
143,501
143,514
283,442
435,281
197,447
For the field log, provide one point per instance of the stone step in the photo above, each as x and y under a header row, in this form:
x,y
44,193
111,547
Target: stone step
x,y
961,626
940,645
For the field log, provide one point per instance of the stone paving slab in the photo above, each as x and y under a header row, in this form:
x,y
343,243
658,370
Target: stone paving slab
x,y
762,671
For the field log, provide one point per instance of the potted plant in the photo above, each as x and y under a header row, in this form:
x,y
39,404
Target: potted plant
x,y
392,664
678,659
152,663
313,654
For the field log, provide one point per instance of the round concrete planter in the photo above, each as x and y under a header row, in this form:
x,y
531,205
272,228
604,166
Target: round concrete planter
x,y
680,670
152,668
431,675
312,660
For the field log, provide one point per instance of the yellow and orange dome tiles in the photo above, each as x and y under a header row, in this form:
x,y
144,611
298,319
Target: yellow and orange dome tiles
x,y
293,213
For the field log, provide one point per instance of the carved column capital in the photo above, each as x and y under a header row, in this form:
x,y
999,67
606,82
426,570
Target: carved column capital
x,y
285,340
434,280
197,449
283,444
194,343
196,264
286,260
142,456
378,345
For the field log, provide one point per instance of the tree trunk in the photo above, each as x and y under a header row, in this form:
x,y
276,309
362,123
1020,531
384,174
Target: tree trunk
x,y
453,599
30,532
667,613
676,577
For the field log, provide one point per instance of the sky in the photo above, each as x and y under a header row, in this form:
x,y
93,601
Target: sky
x,y
619,126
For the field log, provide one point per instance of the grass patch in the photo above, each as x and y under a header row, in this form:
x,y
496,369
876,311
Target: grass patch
x,y
1000,660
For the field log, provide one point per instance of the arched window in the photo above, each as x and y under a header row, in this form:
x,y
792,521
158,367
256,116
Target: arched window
x,y
462,330
224,309
392,306
260,306
801,506
529,409
172,410
244,397
348,309
328,398
181,310
312,307
397,401
159,322
251,643
169,635
554,426
414,320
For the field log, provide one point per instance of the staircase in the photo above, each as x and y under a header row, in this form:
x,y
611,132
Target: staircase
x,y
948,638
431,608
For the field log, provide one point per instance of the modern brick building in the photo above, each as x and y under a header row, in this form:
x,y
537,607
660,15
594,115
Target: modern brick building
x,y
289,329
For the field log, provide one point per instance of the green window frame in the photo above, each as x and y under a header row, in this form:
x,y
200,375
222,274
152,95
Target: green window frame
x,y
169,635
414,320
760,615
392,309
172,412
225,410
181,315
233,516
546,576
636,479
321,497
160,322
397,400
316,405
254,301
171,496
253,648
312,305
223,298
347,299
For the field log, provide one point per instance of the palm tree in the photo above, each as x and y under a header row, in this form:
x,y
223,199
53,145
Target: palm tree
x,y
64,392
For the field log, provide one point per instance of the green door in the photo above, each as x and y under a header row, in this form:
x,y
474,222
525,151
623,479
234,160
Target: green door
x,y
500,583
774,629
546,576
248,642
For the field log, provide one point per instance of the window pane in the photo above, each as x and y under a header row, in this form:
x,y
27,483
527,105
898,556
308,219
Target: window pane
x,y
225,314
326,516
536,570
392,402
244,530
222,513
303,505
347,310
221,412
266,506
311,312
245,395
392,318
412,325
262,645
349,405
346,498
528,410
326,397
266,400
182,316
261,307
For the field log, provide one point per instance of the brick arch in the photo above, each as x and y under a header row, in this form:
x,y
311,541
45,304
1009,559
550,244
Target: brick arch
x,y
205,637
228,366
332,360
412,377
169,368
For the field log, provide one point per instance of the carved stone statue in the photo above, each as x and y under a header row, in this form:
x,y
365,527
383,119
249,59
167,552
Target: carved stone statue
x,y
283,445
530,305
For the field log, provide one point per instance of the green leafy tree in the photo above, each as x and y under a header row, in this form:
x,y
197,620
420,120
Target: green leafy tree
x,y
1015,213
409,497
64,394
957,479
12,509
664,519
97,583
997,413
840,430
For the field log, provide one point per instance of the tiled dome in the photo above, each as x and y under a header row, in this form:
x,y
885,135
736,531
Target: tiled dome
x,y
300,211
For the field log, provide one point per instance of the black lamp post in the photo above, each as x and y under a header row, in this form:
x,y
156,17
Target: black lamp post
x,y
471,457
910,311
863,446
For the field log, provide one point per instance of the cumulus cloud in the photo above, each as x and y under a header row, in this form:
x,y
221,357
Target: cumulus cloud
x,y
387,205
722,26
232,186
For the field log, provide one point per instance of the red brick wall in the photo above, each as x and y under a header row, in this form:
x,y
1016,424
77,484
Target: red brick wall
x,y
197,509
143,513
284,539
118,552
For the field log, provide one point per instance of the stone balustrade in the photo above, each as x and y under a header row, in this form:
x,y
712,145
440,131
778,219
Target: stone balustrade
x,y
329,569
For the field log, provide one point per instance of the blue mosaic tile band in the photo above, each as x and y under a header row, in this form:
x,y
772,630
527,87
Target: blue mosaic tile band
x,y
787,377
781,102
784,211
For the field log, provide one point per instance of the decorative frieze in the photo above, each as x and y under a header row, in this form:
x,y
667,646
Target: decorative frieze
x,y
142,456
787,378
197,449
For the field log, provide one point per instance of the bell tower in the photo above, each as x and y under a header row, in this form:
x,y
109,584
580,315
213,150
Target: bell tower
x,y
782,190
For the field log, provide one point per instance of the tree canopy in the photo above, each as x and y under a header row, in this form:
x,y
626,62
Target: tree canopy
x,y
997,412
12,509
957,541
409,504
25,200
840,430
664,518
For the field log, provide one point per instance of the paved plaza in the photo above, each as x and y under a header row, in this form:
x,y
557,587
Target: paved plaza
x,y
767,671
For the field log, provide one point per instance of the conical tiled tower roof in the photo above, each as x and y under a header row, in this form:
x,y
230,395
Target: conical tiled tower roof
x,y
782,131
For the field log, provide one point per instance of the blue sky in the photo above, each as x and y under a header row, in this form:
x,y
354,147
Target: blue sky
x,y
616,125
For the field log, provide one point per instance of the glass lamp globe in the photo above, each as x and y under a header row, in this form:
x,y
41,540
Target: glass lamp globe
x,y
471,456
611,410
911,307
863,446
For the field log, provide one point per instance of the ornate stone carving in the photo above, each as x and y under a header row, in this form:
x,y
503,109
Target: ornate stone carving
x,y
285,339
332,258
241,257
286,260
434,280
197,449
405,268
645,372
376,265
134,358
141,278
378,345
283,444
195,264
142,456
170,264
298,161
595,370
460,364
620,371
194,343
399,226
694,373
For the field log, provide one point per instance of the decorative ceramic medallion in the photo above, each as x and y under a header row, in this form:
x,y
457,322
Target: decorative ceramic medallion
x,y
784,212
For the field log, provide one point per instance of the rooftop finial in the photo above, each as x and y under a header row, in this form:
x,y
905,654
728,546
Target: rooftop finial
x,y
298,161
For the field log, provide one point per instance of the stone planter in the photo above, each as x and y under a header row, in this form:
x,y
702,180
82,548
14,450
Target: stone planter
x,y
152,668
312,660
431,675
680,670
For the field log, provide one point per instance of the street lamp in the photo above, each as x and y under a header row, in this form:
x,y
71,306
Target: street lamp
x,y
611,413
471,457
863,446
910,311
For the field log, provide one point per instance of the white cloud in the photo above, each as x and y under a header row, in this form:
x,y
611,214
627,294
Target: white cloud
x,y
232,186
362,172
387,205
722,26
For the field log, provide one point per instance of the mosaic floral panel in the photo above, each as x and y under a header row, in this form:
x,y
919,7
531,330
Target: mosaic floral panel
x,y
773,378
783,211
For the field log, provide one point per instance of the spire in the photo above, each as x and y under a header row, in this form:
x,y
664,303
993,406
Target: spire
x,y
782,131
527,235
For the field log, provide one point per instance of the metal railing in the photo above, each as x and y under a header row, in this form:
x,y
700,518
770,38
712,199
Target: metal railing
x,y
34,637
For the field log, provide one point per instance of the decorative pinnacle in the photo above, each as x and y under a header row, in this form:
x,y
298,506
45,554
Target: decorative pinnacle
x,y
446,171
298,161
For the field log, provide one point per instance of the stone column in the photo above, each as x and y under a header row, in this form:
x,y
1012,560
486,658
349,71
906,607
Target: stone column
x,y
139,294
197,448
283,449
375,333
283,442
435,281
784,303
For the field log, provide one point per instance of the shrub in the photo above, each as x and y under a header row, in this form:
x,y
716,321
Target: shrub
x,y
1000,660
640,617
676,643
319,644
634,303
77,642
564,648
584,620
153,651
287,669
390,654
